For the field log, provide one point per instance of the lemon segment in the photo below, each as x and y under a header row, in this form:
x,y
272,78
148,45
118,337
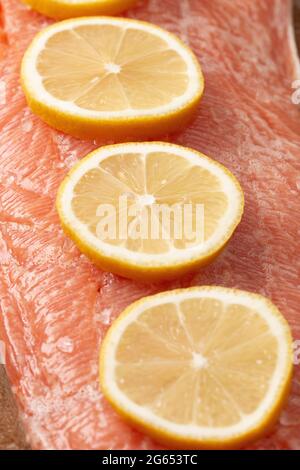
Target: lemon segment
x,y
181,209
91,78
63,9
205,367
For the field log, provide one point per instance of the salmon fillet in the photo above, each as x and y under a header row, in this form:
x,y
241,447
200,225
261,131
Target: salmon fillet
x,y
55,305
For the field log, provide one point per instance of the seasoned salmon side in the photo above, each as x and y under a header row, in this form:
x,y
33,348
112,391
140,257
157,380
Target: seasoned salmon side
x,y
56,305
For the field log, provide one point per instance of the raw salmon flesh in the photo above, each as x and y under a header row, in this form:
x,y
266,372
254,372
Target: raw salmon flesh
x,y
55,305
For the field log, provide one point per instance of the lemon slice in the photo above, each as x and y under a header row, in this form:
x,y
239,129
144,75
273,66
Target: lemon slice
x,y
111,78
61,9
205,367
149,210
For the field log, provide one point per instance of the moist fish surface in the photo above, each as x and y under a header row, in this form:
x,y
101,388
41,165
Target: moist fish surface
x,y
55,305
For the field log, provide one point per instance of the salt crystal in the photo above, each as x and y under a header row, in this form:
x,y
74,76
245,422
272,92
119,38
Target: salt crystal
x,y
65,344
105,316
289,418
27,125
46,348
2,93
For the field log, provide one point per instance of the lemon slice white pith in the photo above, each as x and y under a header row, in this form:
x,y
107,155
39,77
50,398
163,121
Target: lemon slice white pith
x,y
111,78
204,367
